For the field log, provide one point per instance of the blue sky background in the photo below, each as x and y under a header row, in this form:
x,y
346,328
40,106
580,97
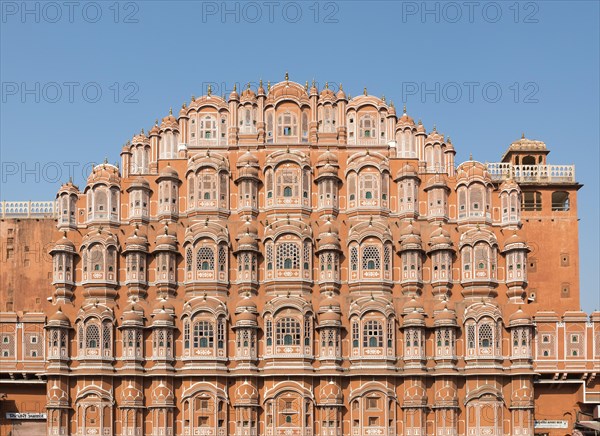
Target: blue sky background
x,y
159,53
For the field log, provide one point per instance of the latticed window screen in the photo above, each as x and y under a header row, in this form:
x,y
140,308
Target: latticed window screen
x,y
106,336
287,331
288,181
307,255
355,334
92,336
206,259
203,334
288,256
486,335
269,255
390,332
575,344
307,330
354,258
387,257
471,336
221,333
372,334
371,258
222,258
7,344
546,345
186,334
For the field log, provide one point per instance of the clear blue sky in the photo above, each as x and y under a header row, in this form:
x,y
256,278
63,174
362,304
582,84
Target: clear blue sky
x,y
447,61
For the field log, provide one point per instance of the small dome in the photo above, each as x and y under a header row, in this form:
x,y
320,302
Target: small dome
x,y
440,239
414,319
248,94
234,96
248,158
136,242
341,95
405,120
420,127
106,173
407,170
515,242
140,138
59,318
68,187
63,244
246,316
472,169
328,157
246,303
155,130
168,172
133,315
519,318
434,137
326,93
412,305
410,229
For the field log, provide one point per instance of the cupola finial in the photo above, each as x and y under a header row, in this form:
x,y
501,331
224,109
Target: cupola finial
x,y
365,90
209,90
404,109
287,77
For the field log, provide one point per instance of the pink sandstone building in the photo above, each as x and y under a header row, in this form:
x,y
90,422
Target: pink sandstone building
x,y
294,262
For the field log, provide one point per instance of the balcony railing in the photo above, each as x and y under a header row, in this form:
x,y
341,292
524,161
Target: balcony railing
x,y
500,171
28,209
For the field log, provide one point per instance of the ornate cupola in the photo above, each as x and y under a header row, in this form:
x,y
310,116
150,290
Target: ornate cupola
x,y
246,334
411,254
328,250
139,201
163,343
66,199
248,181
57,328
169,138
132,333
515,252
103,195
408,182
520,326
168,194
441,250
247,253
406,142
165,254
328,181
136,274
437,198
330,335
510,198
413,326
63,254
445,324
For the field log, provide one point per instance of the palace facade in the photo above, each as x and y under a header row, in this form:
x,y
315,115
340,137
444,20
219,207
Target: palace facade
x,y
289,261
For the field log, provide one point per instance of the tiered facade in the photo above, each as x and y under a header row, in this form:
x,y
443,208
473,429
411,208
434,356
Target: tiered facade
x,y
296,262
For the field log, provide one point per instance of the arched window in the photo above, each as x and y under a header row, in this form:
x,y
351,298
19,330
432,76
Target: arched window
x,y
206,259
288,255
287,332
208,128
560,201
486,335
372,334
287,191
92,336
367,127
203,334
287,125
371,257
